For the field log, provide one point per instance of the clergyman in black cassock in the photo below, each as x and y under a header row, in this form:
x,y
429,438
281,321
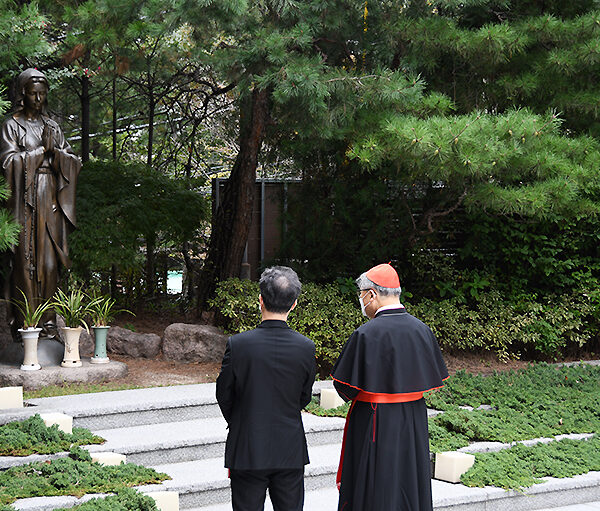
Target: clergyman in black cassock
x,y
384,368
265,381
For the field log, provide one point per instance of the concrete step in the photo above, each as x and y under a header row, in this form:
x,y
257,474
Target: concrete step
x,y
174,442
124,408
205,482
324,499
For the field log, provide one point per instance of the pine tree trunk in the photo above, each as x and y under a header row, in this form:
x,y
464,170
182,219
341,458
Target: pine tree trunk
x,y
231,220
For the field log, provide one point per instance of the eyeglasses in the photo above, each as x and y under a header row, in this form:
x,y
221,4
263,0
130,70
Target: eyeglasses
x,y
361,291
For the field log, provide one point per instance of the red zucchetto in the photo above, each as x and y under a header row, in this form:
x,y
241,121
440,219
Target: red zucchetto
x,y
384,275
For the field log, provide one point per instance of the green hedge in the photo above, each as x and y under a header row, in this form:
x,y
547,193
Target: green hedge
x,y
489,322
328,315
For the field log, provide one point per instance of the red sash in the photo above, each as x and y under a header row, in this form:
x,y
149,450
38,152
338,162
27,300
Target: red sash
x,y
372,397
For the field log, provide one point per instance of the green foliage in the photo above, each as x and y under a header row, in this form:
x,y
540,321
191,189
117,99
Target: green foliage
x,y
534,257
489,322
323,314
74,307
68,476
31,316
540,401
32,436
103,310
520,467
123,206
126,499
22,34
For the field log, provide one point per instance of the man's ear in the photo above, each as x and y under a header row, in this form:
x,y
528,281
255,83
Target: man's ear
x,y
293,306
260,300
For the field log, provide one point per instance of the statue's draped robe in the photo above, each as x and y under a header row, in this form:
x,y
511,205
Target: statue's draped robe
x,y
42,201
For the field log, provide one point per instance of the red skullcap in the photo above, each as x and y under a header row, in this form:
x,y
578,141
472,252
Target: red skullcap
x,y
384,275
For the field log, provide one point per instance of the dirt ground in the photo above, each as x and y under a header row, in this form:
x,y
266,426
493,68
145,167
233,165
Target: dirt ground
x,y
145,372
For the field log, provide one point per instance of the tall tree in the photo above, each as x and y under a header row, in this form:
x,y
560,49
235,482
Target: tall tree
x,y
292,63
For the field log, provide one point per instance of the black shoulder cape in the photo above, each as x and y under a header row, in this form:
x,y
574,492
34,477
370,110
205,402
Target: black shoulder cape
x,y
394,353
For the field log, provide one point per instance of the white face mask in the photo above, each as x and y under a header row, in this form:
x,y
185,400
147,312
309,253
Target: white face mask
x,y
363,306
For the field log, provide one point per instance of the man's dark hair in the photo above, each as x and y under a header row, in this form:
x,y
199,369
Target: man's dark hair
x,y
279,288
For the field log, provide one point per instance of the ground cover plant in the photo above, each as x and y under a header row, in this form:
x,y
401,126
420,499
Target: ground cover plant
x,y
125,500
540,401
74,475
522,466
32,436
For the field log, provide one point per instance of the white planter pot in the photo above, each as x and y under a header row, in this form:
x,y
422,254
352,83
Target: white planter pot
x,y
71,338
30,344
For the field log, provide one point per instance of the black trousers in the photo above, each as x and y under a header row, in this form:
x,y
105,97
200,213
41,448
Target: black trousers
x,y
286,489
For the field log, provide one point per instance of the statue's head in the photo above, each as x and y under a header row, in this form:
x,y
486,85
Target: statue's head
x,y
26,79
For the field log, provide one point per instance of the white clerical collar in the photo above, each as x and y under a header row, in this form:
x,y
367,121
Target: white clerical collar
x,y
389,307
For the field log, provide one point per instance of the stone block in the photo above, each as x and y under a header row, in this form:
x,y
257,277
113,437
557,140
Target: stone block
x,y
449,466
165,500
108,458
193,343
330,399
121,341
63,421
11,397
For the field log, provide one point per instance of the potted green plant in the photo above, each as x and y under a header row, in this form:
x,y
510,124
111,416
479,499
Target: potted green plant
x,y
74,307
102,311
30,332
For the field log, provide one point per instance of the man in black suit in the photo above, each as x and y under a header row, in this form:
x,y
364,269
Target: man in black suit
x,y
265,381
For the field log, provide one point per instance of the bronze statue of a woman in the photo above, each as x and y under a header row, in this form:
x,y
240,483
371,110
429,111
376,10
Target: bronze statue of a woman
x,y
41,171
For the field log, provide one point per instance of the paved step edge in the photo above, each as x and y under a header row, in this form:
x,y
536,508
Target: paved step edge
x,y
553,493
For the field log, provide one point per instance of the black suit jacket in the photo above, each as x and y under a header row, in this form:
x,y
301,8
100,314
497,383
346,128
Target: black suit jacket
x,y
265,381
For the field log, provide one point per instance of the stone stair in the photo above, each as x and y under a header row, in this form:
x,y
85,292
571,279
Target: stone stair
x,y
179,430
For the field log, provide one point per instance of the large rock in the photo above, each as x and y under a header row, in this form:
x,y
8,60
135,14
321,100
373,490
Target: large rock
x,y
194,343
132,344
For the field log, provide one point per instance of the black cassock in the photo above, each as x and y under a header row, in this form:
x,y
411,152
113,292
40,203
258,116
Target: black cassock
x,y
384,368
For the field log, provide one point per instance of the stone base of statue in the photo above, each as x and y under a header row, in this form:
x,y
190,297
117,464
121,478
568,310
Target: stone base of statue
x,y
12,376
50,353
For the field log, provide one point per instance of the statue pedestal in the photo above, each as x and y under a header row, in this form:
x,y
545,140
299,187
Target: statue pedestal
x,y
12,376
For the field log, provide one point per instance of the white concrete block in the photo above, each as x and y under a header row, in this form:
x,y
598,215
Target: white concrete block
x,y
449,466
330,399
11,397
165,500
64,422
108,458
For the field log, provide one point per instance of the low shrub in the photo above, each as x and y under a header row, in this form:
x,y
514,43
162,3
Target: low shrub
x,y
328,314
490,322
32,436
125,500
75,475
540,401
521,466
